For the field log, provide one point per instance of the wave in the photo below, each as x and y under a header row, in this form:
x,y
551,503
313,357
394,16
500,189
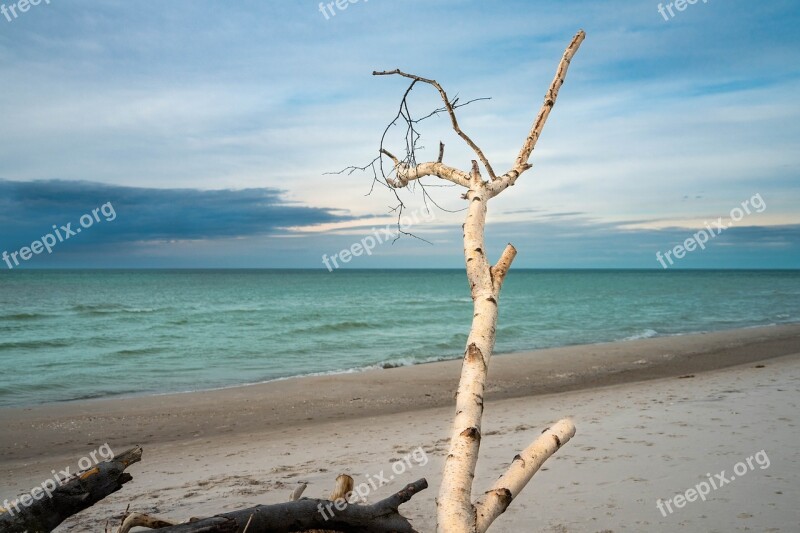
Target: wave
x,y
434,302
410,361
384,365
95,307
337,327
646,334
138,351
24,316
223,310
34,345
109,309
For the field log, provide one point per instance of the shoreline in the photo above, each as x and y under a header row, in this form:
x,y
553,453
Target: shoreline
x,y
682,406
637,443
378,367
67,428
389,366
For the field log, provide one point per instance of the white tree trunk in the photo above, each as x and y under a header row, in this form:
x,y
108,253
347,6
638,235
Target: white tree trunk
x,y
456,511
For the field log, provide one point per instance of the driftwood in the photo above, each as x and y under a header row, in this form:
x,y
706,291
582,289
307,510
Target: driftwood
x,y
85,489
342,490
309,514
78,493
457,513
133,520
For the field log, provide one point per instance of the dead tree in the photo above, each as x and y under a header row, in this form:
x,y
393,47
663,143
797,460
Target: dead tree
x,y
335,515
305,515
457,513
46,510
80,492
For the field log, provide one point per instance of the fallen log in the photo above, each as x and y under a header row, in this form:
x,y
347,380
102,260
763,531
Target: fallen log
x,y
309,514
80,492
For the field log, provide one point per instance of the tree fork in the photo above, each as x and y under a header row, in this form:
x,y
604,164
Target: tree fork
x,y
456,511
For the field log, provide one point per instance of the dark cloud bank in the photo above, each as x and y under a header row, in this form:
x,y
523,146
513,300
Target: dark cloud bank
x,y
29,209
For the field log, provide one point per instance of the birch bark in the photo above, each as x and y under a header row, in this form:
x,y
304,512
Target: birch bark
x,y
455,508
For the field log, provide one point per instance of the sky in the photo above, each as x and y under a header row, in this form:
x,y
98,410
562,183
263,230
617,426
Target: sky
x,y
213,132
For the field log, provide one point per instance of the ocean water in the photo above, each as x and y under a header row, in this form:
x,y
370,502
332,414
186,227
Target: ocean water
x,y
67,335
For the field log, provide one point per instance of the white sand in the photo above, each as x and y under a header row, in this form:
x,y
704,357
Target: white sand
x,y
636,443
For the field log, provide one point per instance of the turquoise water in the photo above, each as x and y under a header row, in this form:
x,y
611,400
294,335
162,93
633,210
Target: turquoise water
x,y
68,335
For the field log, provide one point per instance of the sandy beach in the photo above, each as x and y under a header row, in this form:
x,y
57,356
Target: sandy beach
x,y
655,417
526,267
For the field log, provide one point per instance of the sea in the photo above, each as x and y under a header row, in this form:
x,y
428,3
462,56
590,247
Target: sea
x,y
83,334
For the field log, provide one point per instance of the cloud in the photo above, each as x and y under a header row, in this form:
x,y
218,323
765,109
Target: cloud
x,y
659,120
252,228
29,209
586,243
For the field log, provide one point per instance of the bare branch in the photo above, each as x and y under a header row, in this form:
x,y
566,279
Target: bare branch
x,y
298,492
500,270
497,499
450,111
404,173
142,520
391,156
406,170
455,105
521,164
549,100
352,168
